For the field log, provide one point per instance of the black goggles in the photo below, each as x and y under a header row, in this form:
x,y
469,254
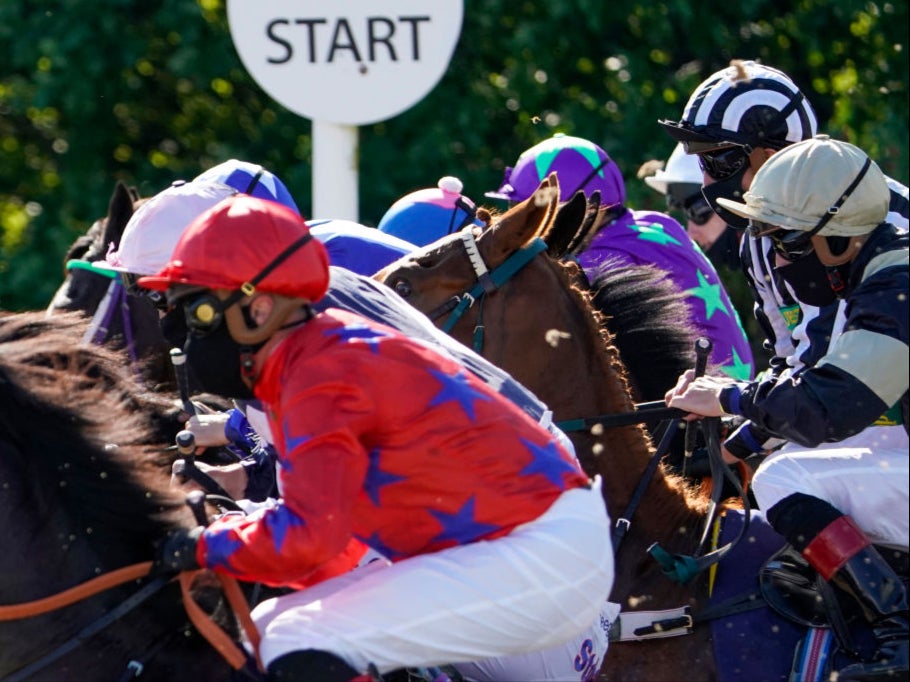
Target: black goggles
x,y
722,163
790,245
157,298
691,203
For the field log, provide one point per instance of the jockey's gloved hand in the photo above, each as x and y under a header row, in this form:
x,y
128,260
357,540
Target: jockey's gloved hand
x,y
176,552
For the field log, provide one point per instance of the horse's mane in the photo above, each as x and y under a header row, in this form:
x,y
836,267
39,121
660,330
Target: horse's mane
x,y
651,290
74,423
654,318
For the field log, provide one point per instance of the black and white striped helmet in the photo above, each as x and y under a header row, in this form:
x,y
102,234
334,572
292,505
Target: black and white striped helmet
x,y
745,104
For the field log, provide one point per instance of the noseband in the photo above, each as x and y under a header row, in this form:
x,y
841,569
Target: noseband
x,y
488,281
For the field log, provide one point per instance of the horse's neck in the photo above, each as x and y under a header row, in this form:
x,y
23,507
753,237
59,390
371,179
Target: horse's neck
x,y
583,376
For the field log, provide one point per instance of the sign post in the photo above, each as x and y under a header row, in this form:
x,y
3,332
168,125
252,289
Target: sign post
x,y
344,64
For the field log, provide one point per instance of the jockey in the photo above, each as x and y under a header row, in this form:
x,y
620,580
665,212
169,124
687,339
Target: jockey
x,y
145,247
426,215
680,183
499,543
146,244
841,482
635,237
735,120
361,249
250,178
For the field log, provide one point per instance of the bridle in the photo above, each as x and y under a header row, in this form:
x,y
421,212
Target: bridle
x,y
488,282
115,300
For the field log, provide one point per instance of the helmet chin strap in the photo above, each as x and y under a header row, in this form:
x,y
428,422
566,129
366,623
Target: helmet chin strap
x,y
254,335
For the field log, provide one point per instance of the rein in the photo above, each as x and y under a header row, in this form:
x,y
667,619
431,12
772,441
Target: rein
x,y
217,638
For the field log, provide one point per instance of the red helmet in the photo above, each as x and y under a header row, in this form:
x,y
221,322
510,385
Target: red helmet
x,y
249,244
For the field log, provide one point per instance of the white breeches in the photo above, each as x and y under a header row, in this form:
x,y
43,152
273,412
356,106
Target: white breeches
x,y
533,589
865,477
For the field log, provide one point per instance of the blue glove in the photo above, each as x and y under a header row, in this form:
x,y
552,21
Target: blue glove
x,y
176,552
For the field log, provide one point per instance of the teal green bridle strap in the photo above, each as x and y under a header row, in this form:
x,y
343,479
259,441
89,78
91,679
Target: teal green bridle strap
x,y
682,568
77,264
490,281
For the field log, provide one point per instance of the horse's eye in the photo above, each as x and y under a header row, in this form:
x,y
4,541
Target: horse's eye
x,y
402,287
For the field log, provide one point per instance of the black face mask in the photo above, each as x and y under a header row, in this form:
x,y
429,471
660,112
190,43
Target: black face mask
x,y
724,252
728,188
216,361
810,280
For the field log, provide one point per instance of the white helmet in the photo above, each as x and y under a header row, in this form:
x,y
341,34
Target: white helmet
x,y
681,168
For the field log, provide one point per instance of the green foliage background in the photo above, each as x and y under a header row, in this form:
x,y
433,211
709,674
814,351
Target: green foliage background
x,y
92,92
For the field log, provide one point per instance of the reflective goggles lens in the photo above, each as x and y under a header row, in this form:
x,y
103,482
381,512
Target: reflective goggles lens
x,y
203,313
688,199
723,163
788,244
157,298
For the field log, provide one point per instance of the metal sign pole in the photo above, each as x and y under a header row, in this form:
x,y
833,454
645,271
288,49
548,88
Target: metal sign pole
x,y
335,175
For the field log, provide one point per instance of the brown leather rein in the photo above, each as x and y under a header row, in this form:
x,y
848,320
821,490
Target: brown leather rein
x,y
214,634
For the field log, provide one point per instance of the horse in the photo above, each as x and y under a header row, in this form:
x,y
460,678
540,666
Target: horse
x,y
82,495
540,325
117,319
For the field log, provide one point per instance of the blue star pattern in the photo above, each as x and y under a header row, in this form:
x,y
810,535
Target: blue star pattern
x,y
290,443
376,478
220,547
654,232
376,543
359,332
547,461
278,521
461,526
456,387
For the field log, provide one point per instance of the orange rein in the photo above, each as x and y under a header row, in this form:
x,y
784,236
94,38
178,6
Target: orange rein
x,y
220,641
74,594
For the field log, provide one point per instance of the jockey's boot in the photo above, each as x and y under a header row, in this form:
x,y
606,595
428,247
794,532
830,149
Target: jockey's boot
x,y
844,556
311,665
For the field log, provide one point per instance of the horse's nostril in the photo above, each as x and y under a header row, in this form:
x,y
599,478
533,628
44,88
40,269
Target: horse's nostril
x,y
402,287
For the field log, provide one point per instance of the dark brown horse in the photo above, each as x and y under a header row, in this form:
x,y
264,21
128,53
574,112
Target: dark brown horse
x,y
81,495
118,320
540,325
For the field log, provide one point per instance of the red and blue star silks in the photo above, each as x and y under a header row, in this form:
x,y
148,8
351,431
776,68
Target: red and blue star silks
x,y
383,440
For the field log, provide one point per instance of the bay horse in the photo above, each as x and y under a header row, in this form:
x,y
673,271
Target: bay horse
x,y
119,320
539,324
82,494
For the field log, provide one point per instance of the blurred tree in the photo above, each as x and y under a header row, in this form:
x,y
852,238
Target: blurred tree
x,y
149,92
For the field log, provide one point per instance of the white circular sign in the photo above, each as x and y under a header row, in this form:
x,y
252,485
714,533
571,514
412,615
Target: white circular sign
x,y
346,61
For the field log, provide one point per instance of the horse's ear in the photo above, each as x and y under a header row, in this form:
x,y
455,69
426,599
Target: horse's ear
x,y
119,212
593,219
521,223
566,224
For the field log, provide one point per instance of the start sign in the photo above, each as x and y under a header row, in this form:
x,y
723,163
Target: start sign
x,y
347,61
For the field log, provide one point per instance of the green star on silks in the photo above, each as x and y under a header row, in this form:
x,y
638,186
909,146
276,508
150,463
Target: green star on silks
x,y
739,370
654,233
710,294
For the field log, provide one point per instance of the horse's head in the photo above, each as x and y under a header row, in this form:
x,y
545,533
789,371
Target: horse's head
x,y
82,289
432,278
124,321
500,292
